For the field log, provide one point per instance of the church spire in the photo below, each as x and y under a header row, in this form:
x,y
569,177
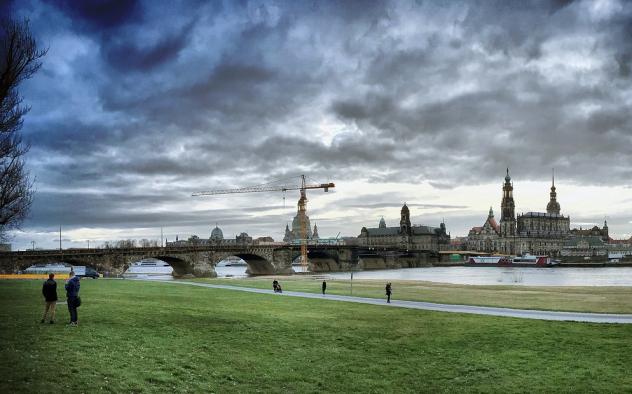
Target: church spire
x,y
553,207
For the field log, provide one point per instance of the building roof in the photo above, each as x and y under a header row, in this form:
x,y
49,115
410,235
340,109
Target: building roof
x,y
382,231
542,215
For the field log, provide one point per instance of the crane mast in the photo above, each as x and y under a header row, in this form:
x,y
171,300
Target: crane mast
x,y
302,203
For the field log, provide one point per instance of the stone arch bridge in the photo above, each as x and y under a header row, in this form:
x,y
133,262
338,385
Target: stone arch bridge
x,y
201,260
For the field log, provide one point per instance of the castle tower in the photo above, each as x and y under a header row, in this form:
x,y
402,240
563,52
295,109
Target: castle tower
x,y
553,207
507,206
604,232
288,234
404,222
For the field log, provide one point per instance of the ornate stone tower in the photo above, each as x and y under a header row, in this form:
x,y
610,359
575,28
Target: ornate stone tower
x,y
288,234
507,206
553,207
404,222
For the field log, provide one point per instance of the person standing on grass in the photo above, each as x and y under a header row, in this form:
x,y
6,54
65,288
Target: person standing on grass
x,y
72,295
324,287
49,291
389,291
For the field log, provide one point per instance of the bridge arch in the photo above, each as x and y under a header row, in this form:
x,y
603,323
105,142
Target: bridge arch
x,y
320,260
181,267
257,264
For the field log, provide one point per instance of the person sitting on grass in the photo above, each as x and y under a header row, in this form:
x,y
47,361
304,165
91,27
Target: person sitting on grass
x,y
49,291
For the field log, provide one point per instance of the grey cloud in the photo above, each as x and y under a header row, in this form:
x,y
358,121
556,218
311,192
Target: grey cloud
x,y
237,93
130,55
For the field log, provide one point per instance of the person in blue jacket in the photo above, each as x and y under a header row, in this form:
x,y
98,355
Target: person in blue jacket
x,y
72,295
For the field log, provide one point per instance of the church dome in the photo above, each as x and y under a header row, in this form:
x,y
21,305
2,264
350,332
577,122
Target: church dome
x,y
217,234
382,223
405,208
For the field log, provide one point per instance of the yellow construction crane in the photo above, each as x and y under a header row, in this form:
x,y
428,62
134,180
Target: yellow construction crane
x,y
272,187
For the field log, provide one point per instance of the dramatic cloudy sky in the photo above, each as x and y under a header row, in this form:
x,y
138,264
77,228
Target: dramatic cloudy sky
x,y
139,104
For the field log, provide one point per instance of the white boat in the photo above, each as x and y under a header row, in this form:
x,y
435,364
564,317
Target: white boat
x,y
529,259
148,268
62,269
493,260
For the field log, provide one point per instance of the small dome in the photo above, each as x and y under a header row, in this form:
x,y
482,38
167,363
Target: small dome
x,y
217,234
382,223
405,208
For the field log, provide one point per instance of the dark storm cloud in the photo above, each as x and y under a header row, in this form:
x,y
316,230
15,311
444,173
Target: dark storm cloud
x,y
140,57
391,205
187,96
121,210
96,15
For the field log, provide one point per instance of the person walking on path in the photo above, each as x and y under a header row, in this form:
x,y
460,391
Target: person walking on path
x,y
324,287
49,291
72,295
389,291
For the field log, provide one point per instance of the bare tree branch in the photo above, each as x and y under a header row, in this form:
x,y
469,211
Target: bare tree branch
x,y
19,60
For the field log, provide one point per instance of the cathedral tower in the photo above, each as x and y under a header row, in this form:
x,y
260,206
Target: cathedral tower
x,y
553,207
404,222
507,206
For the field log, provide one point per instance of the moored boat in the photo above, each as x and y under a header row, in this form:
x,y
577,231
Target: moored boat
x,y
489,260
532,260
148,268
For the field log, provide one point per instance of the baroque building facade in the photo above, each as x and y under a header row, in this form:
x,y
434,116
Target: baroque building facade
x,y
532,232
294,235
408,236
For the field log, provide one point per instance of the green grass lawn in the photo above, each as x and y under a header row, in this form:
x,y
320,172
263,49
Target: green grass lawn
x,y
160,337
576,299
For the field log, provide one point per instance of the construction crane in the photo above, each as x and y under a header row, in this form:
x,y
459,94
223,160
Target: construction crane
x,y
271,187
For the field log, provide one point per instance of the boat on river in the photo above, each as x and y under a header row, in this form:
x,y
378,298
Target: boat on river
x,y
148,268
531,260
489,260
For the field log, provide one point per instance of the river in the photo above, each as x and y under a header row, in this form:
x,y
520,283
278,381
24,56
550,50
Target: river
x,y
520,276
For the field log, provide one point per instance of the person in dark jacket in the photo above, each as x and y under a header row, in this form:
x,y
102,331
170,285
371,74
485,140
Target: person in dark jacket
x,y
72,296
49,291
389,291
324,287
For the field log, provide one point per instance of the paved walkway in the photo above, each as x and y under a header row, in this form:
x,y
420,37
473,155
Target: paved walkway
x,y
430,306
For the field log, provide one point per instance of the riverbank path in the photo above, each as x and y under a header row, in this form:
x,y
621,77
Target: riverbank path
x,y
431,306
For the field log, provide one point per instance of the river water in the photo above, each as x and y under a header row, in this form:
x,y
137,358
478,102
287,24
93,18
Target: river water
x,y
520,276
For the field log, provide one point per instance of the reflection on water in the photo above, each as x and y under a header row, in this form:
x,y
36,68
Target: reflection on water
x,y
620,276
233,271
610,276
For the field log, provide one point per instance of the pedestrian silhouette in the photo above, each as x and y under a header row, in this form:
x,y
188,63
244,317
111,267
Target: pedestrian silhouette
x,y
72,297
49,291
324,286
389,291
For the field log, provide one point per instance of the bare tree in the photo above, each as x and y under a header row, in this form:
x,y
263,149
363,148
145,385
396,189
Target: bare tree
x,y
19,60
